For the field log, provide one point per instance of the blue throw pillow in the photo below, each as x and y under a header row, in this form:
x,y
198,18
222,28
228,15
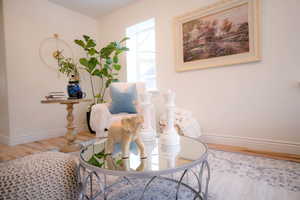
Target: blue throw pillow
x,y
123,102
133,148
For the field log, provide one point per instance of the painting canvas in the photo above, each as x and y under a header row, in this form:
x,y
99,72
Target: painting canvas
x,y
226,34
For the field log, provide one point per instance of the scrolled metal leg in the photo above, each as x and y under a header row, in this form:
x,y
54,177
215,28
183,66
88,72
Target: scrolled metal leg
x,y
179,183
128,180
147,185
79,178
207,179
78,174
104,188
202,189
200,176
198,181
91,186
89,177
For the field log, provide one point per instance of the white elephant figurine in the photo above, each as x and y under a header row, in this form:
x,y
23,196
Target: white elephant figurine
x,y
124,132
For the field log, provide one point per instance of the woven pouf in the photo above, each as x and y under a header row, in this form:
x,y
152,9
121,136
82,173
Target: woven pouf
x,y
48,175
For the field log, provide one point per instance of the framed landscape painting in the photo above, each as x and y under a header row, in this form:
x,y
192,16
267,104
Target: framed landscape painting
x,y
225,33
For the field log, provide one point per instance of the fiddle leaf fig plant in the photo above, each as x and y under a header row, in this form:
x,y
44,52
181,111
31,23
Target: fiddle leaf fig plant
x,y
103,64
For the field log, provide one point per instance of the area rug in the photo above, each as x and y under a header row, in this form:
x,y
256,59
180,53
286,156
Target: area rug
x,y
237,176
234,176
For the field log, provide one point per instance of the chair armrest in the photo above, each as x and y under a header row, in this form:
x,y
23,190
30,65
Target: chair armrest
x,y
100,117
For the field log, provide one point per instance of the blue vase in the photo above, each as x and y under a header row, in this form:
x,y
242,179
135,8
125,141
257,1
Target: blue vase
x,y
74,90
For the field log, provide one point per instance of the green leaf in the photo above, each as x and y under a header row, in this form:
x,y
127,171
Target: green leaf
x,y
106,51
114,44
117,67
106,66
97,72
94,162
86,37
119,162
108,61
90,44
118,51
93,63
100,155
115,59
109,76
108,82
84,62
124,39
80,43
104,71
98,95
92,51
125,49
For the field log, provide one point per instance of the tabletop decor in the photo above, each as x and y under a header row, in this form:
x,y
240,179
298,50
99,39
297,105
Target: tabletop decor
x,y
225,33
181,173
125,132
56,96
102,64
170,135
57,54
54,49
185,123
66,66
147,131
69,68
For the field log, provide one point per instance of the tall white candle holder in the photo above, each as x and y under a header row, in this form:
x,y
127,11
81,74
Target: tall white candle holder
x,y
168,155
170,135
147,132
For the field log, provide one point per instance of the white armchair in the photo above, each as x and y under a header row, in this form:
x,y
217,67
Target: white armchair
x,y
101,118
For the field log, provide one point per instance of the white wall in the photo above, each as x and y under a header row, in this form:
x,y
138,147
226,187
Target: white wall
x,y
256,104
4,115
26,25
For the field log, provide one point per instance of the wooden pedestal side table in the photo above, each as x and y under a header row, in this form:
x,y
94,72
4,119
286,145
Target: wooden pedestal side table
x,y
70,135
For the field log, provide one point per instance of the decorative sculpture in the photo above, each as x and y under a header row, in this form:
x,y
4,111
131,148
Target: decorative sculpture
x,y
170,135
124,132
168,155
147,131
52,48
184,121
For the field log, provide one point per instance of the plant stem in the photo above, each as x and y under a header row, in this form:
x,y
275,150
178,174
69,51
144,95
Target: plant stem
x,y
102,83
103,93
92,88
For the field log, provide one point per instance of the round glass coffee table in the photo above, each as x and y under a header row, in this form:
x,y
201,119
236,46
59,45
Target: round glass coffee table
x,y
169,172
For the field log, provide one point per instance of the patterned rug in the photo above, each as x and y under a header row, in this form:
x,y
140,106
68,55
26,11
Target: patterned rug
x,y
234,176
237,176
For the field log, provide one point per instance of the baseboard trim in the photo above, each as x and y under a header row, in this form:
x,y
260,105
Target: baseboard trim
x,y
254,143
4,139
37,135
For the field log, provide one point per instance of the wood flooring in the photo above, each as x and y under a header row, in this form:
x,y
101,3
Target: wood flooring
x,y
267,154
21,150
13,152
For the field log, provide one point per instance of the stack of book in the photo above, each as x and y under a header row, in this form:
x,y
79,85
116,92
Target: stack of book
x,y
56,95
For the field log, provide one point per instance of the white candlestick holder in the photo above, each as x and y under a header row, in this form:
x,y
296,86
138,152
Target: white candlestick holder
x,y
147,132
170,135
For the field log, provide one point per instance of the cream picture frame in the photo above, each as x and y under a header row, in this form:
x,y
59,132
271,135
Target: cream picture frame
x,y
250,52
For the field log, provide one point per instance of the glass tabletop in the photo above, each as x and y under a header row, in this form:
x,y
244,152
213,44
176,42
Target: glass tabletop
x,y
161,159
